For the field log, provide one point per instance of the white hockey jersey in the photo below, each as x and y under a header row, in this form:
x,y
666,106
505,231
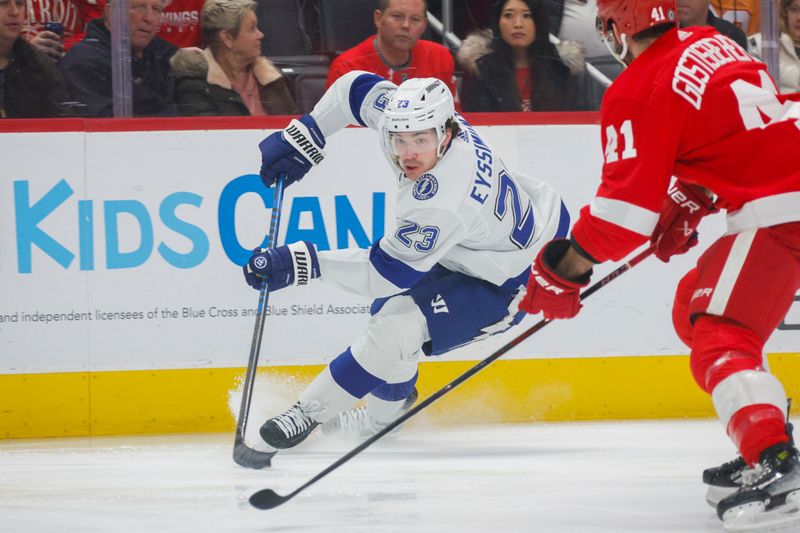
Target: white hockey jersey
x,y
469,213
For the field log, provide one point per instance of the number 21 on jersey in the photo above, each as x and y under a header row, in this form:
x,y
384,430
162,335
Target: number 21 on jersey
x,y
612,142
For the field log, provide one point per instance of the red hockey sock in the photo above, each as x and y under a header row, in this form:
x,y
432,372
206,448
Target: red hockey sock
x,y
755,428
722,348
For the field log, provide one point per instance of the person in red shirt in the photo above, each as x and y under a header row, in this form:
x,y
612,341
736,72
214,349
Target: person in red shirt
x,y
396,52
73,15
180,23
694,105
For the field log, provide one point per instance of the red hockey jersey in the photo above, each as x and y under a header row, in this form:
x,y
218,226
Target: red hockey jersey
x,y
695,106
428,60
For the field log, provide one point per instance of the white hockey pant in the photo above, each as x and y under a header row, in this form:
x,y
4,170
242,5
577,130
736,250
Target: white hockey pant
x,y
388,350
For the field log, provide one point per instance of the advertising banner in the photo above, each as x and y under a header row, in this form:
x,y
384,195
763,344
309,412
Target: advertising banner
x,y
122,251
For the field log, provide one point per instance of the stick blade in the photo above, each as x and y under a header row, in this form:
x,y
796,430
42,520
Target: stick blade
x,y
250,458
266,499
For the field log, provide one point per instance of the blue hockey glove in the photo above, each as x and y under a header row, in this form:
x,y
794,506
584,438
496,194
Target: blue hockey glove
x,y
294,151
295,264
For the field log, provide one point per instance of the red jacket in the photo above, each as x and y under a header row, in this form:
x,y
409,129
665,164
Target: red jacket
x,y
428,60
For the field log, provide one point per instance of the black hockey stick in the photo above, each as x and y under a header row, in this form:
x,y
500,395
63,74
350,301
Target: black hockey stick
x,y
242,453
268,498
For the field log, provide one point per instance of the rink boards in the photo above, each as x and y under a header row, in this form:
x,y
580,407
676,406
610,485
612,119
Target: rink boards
x,y
123,309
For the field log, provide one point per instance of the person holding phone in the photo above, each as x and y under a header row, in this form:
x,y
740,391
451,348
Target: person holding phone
x,y
30,84
54,26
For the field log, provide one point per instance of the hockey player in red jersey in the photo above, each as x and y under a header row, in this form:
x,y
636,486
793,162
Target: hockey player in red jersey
x,y
692,105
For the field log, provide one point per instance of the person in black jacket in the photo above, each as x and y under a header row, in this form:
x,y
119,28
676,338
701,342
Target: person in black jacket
x,y
30,85
697,13
514,67
87,66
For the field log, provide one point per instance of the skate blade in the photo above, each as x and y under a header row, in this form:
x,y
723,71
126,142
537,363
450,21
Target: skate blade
x,y
715,494
785,518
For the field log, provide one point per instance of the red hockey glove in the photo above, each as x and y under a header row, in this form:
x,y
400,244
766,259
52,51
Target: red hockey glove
x,y
676,231
547,291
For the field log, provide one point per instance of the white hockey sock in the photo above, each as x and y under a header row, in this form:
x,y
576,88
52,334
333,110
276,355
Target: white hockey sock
x,y
323,399
383,411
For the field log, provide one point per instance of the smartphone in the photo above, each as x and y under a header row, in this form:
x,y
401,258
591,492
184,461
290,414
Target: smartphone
x,y
55,27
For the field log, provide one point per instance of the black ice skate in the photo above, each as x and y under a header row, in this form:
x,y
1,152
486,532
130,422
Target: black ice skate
x,y
289,429
727,478
774,489
357,422
724,480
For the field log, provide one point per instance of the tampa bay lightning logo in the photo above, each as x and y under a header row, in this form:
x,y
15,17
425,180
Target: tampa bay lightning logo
x,y
260,262
381,102
425,187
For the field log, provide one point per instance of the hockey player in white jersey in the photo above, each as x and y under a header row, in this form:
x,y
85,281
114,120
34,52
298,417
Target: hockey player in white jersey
x,y
453,269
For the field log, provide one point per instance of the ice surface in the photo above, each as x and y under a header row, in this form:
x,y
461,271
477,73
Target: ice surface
x,y
570,477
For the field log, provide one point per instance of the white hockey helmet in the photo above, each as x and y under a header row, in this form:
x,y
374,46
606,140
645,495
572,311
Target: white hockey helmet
x,y
418,104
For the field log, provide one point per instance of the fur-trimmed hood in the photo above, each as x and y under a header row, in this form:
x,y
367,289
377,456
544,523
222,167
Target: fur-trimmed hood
x,y
196,63
479,44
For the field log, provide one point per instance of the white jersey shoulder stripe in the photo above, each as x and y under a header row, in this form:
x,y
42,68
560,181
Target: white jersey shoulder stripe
x,y
765,212
624,214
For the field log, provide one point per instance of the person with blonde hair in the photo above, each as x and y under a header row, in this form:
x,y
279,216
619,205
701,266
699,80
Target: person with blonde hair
x,y
230,77
789,55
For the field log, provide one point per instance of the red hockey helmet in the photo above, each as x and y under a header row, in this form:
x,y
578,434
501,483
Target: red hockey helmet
x,y
633,16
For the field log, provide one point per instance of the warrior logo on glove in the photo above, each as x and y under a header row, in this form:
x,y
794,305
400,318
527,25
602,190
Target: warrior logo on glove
x,y
301,259
292,152
297,132
295,264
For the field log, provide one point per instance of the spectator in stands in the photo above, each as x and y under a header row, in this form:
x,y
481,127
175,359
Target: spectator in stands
x,y
574,20
789,53
230,77
396,51
73,15
744,14
179,24
697,13
87,66
514,67
30,84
